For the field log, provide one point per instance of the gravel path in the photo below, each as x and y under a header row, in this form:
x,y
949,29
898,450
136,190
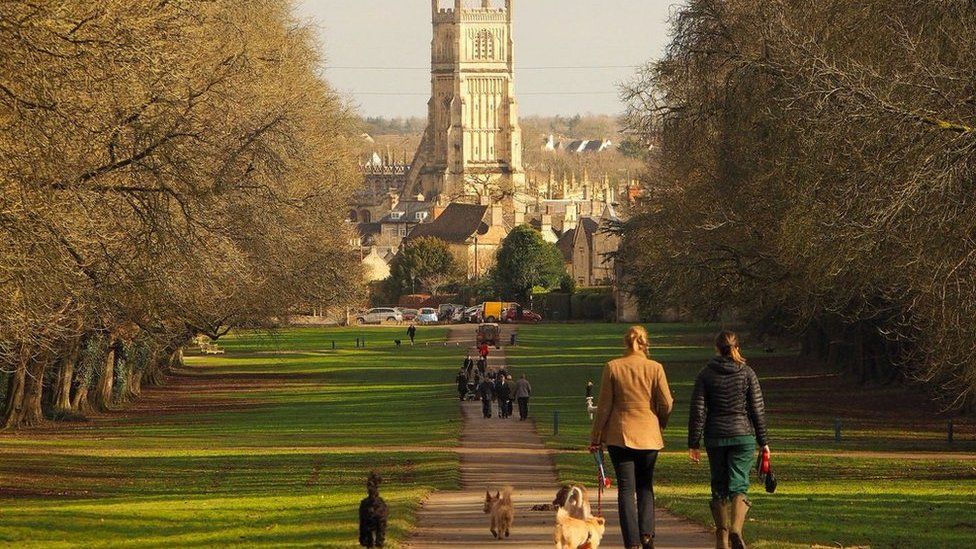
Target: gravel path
x,y
498,453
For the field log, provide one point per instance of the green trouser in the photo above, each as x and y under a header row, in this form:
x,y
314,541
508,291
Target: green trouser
x,y
730,466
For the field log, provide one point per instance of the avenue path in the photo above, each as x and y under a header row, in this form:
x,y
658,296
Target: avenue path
x,y
496,453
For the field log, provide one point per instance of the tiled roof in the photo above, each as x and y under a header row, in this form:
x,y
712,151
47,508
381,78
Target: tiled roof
x,y
457,224
590,227
565,244
408,210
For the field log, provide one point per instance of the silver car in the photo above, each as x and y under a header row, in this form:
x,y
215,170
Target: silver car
x,y
379,315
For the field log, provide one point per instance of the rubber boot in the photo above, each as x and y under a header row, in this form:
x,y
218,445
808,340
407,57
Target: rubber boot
x,y
720,512
740,508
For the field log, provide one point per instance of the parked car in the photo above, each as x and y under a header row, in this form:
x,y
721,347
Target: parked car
x,y
473,314
446,311
427,316
512,315
409,314
379,315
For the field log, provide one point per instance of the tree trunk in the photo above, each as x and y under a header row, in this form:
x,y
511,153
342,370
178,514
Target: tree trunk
x,y
80,402
32,413
13,410
66,373
102,392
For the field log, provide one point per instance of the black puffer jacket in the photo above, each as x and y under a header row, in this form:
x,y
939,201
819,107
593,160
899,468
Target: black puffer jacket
x,y
727,402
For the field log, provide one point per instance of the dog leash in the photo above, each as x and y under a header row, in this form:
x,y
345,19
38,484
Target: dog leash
x,y
603,481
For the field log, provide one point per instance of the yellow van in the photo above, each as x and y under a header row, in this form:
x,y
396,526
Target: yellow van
x,y
493,311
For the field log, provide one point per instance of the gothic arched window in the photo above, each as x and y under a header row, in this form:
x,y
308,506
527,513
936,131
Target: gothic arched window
x,y
484,45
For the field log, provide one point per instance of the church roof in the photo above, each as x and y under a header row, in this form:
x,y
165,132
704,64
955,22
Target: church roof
x,y
456,224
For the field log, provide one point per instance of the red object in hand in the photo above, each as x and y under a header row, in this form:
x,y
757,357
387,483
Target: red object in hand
x,y
606,482
764,464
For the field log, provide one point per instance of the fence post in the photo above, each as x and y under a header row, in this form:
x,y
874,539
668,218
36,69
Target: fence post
x,y
949,431
555,422
837,427
333,345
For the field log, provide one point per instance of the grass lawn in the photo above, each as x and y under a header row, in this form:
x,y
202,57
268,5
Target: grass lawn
x,y
268,444
861,491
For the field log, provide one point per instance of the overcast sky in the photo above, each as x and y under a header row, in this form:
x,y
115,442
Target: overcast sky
x,y
357,34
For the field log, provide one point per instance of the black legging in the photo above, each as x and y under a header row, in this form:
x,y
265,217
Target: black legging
x,y
635,492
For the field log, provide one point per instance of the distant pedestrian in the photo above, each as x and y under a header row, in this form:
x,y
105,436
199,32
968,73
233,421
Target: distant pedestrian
x,y
468,365
412,332
511,396
485,392
462,384
482,365
502,394
523,390
634,407
483,350
727,409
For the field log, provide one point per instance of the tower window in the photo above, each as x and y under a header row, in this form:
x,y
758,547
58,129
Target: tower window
x,y
484,45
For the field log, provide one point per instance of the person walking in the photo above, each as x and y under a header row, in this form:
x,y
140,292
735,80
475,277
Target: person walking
x,y
504,394
462,384
468,365
499,399
483,351
634,407
523,390
728,411
412,332
511,395
485,392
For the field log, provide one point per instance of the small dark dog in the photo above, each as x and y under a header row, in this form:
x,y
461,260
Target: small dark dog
x,y
373,514
397,342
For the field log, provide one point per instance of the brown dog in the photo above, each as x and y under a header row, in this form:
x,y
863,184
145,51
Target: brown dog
x,y
502,512
572,533
575,499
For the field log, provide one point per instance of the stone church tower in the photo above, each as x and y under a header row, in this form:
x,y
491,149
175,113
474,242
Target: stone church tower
x,y
473,136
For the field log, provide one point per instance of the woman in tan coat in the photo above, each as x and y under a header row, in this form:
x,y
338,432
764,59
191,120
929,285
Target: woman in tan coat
x,y
634,407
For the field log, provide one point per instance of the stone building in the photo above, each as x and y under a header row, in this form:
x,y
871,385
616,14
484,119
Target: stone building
x,y
474,233
473,135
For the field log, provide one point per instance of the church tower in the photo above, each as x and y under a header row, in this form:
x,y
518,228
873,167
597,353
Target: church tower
x,y
473,135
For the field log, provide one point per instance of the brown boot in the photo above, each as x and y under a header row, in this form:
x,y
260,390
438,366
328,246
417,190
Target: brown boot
x,y
720,512
740,508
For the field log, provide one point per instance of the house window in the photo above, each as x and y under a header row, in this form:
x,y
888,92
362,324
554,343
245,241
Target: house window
x,y
403,230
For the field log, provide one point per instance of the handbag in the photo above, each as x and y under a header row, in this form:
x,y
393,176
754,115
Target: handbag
x,y
766,474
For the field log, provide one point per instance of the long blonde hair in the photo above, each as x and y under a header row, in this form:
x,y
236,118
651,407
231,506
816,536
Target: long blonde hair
x,y
637,336
727,344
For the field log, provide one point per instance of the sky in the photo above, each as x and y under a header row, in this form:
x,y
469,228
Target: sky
x,y
363,39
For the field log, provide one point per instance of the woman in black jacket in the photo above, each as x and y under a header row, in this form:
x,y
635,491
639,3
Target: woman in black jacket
x,y
727,409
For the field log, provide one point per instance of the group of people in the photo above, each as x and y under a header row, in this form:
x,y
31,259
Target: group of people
x,y
493,386
727,411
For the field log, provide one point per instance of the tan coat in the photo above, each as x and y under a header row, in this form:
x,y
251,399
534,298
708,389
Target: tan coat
x,y
635,404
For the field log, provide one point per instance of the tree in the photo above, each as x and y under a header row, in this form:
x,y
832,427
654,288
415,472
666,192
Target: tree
x,y
816,175
424,264
524,261
164,172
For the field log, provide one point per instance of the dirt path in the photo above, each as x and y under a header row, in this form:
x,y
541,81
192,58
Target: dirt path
x,y
496,453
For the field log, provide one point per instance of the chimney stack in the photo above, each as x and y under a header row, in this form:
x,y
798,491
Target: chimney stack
x,y
497,215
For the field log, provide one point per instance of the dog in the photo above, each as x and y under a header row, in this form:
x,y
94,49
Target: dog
x,y
573,533
397,342
502,512
575,499
373,514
